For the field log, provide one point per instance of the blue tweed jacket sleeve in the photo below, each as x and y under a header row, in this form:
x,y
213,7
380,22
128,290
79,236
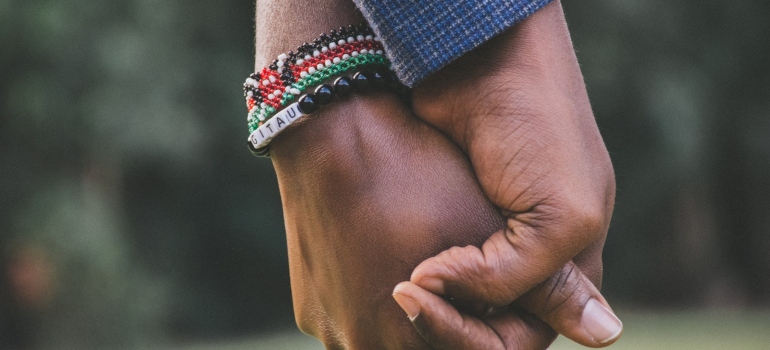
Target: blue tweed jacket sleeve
x,y
421,36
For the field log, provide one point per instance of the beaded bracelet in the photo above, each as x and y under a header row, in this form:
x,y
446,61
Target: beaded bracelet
x,y
269,93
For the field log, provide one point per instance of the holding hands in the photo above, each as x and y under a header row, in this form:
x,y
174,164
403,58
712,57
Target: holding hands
x,y
492,195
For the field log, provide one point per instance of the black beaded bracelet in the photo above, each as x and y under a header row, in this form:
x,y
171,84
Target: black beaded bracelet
x,y
323,94
270,94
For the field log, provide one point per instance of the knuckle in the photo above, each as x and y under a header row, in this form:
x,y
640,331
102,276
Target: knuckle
x,y
562,287
586,220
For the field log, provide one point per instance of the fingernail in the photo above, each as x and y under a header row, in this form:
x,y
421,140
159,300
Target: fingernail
x,y
600,323
411,307
433,285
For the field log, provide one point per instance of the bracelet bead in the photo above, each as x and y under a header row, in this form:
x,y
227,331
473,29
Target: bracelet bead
x,y
361,81
342,86
323,94
307,104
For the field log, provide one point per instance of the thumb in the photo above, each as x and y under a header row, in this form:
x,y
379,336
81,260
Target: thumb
x,y
571,305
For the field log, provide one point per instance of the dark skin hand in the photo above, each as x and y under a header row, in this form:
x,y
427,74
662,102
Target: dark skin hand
x,y
369,192
518,107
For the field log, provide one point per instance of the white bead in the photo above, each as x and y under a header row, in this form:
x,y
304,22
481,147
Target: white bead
x,y
360,37
328,63
303,74
282,57
250,93
252,111
320,66
261,117
265,82
379,52
332,46
364,51
277,92
279,64
280,70
337,60
316,53
307,57
354,53
345,56
324,49
376,39
369,37
341,42
249,118
270,97
311,70
300,62
295,91
287,89
272,79
351,39
263,105
249,81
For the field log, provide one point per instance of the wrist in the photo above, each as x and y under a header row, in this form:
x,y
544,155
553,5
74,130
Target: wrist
x,y
339,138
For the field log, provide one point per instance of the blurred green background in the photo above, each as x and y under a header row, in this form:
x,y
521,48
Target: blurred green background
x,y
132,215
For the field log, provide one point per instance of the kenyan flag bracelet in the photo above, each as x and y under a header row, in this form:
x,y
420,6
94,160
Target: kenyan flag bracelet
x,y
297,84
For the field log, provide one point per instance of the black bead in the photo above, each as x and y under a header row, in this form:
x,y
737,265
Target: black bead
x,y
324,94
379,79
273,67
307,104
342,86
253,150
361,81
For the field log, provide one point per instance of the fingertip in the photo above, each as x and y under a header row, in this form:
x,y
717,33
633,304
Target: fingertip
x,y
601,323
433,285
426,277
404,296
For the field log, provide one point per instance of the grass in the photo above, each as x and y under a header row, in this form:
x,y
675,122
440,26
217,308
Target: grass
x,y
701,330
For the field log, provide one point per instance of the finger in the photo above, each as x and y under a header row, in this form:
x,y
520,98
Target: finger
x,y
443,327
570,304
506,266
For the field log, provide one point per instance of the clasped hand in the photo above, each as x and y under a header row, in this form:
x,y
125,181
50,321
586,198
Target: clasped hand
x,y
500,195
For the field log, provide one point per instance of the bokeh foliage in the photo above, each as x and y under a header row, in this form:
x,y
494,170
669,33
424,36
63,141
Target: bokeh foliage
x,y
132,214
